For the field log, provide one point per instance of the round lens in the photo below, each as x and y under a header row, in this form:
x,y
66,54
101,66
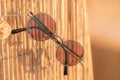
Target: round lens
x,y
72,60
47,21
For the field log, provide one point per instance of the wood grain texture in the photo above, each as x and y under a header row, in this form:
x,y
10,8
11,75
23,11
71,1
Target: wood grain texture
x,y
26,59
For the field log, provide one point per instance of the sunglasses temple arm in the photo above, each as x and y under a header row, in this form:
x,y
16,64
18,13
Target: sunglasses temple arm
x,y
67,48
43,27
66,62
18,30
66,55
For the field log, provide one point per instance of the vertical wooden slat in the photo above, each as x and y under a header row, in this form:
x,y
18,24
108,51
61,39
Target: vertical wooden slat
x,y
88,70
4,47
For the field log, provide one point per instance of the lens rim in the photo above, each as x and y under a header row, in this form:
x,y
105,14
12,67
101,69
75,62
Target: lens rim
x,y
81,54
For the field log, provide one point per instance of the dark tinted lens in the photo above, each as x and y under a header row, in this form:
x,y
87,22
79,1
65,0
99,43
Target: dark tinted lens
x,y
37,34
73,45
47,21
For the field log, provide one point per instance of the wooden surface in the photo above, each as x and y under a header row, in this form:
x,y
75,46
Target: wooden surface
x,y
27,59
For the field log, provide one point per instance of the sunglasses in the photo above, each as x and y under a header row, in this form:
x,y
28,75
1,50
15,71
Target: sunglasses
x,y
42,27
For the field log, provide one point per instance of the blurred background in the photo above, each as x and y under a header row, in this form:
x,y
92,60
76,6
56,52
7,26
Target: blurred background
x,y
104,25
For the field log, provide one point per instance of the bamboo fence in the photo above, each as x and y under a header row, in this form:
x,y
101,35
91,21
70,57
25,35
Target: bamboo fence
x,y
22,58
